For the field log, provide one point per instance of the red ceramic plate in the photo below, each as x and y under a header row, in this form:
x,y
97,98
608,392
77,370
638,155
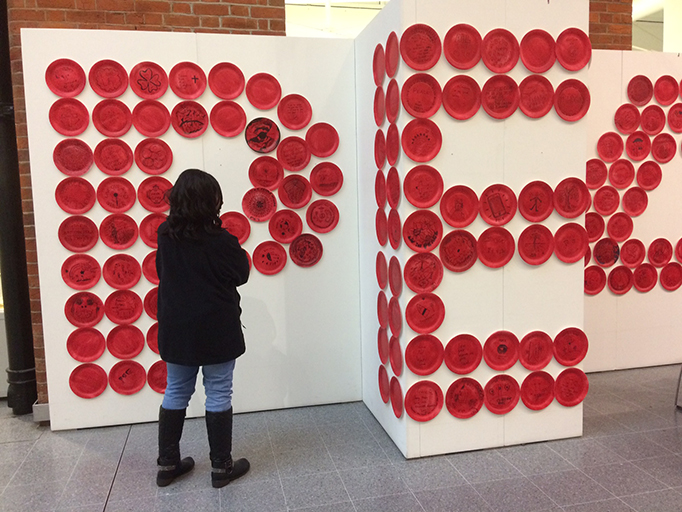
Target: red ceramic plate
x,y
570,346
421,140
263,91
594,225
382,345
84,309
535,350
645,277
69,116
381,224
75,195
501,394
663,148
424,354
116,194
606,200
65,78
536,201
392,101
382,270
379,106
108,78
537,390
226,80
495,247
463,354
392,144
152,194
380,189
638,146
322,216
285,226
149,227
295,191
501,350
123,307
293,153
85,344
323,139
394,228
149,268
653,120
380,149
606,252
649,175
640,90
306,250
266,172
187,80
571,100
78,233
573,49
379,65
118,231
269,258
125,341
620,280
678,250
538,51
458,250
595,280
536,96
228,118
461,97
112,118
666,90
259,204
423,401
236,224
632,253
588,256
464,398
262,135
500,96
497,205
570,242
620,227
121,271
422,231
152,156
189,119
627,118
675,117
500,50
114,156
151,303
127,377
571,387
660,252
595,173
423,272
396,397
425,313
621,173
151,118
610,147
295,112
671,276
81,272
571,198
536,244
156,376
88,380
153,338
73,157
395,355
148,80
326,178
395,276
459,206
392,54
421,95
393,187
462,46
420,47
383,384
423,186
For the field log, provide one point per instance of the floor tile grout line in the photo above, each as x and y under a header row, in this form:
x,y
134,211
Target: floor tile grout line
x,y
279,473
118,465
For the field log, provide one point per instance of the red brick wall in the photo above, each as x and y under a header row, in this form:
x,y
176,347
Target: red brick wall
x,y
611,24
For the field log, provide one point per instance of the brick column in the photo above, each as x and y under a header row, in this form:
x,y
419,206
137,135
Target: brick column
x,y
611,24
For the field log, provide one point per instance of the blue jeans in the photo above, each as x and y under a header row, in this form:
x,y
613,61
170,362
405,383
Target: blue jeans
x,y
181,382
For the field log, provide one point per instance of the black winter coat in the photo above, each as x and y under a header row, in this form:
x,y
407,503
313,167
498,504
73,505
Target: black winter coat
x,y
198,305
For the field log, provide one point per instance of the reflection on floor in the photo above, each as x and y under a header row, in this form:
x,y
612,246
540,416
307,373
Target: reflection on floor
x,y
337,458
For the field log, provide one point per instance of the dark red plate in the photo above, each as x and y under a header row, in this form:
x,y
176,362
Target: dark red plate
x,y
116,194
620,227
125,341
226,80
381,270
127,377
606,252
570,346
322,216
424,354
458,250
323,139
305,250
88,380
151,118
269,258
627,118
678,250
423,272
536,201
536,96
501,394
425,313
571,100
149,227
113,156
395,322
380,149
78,233
295,191
379,65
152,156
285,226
421,95
538,51
606,200
393,226
393,187
392,54
463,354
620,280
236,224
266,172
423,401
421,140
295,112
536,244
153,338
461,97
653,120
666,90
151,303
501,350
73,157
535,350
382,345
392,144
149,268
610,147
422,231
65,78
645,277
573,49
632,253
660,252
187,80
396,393
392,101
420,47
500,96
123,307
118,231
383,384
263,91
157,375
500,50
121,271
649,175
571,387
189,119
379,106
84,309
595,173
495,247
69,117
640,90
462,46
152,194
675,117
85,344
571,198
537,390
108,78
671,276
497,205
262,135
570,242
228,118
594,225
380,189
112,118
259,204
663,148
459,206
464,398
638,146
326,179
395,278
423,186
382,309
293,153
595,280
75,195
148,80
81,272
381,224
621,173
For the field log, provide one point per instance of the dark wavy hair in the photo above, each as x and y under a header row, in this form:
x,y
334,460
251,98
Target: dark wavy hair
x,y
195,201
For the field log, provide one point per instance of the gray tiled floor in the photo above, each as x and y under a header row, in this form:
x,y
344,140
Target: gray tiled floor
x,y
336,458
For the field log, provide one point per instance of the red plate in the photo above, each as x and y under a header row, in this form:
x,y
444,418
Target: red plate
x,y
152,194
461,97
157,375
678,250
500,50
294,192
459,206
81,272
293,153
187,80
88,380
537,390
149,268
570,346
151,118
189,119
420,47
620,280
588,256
595,280
326,178
463,354
595,173
423,186
395,276
380,149
649,175
85,344
501,350
501,394
640,90
121,271
675,117
305,250
153,338
500,96
610,147
425,313
381,270
536,244
462,46
127,377
379,106
620,227
259,204
148,80
151,303
421,95
149,227
152,156
458,250
75,195
295,112
495,247
571,198
606,252
638,146
228,118
571,387
269,258
627,118
380,189
381,224
392,54
645,277
538,51
573,49
65,78
383,384
266,172
73,157
394,353
114,156
84,309
653,120
663,148
116,194
78,233
666,90
464,398
379,65
594,225
422,231
322,216
424,354
621,173
236,224
69,116
226,80
671,276
123,307
392,144
262,135
572,100
606,200
396,397
118,231
536,201
497,205
393,187
421,140
382,309
392,101
660,252
263,91
536,96
108,78
394,228
323,139
570,242
112,118
423,401
632,253
125,341
423,272
535,350
285,226
382,345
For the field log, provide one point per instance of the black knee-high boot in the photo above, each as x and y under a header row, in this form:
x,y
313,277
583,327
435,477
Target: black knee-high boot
x,y
170,432
224,469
